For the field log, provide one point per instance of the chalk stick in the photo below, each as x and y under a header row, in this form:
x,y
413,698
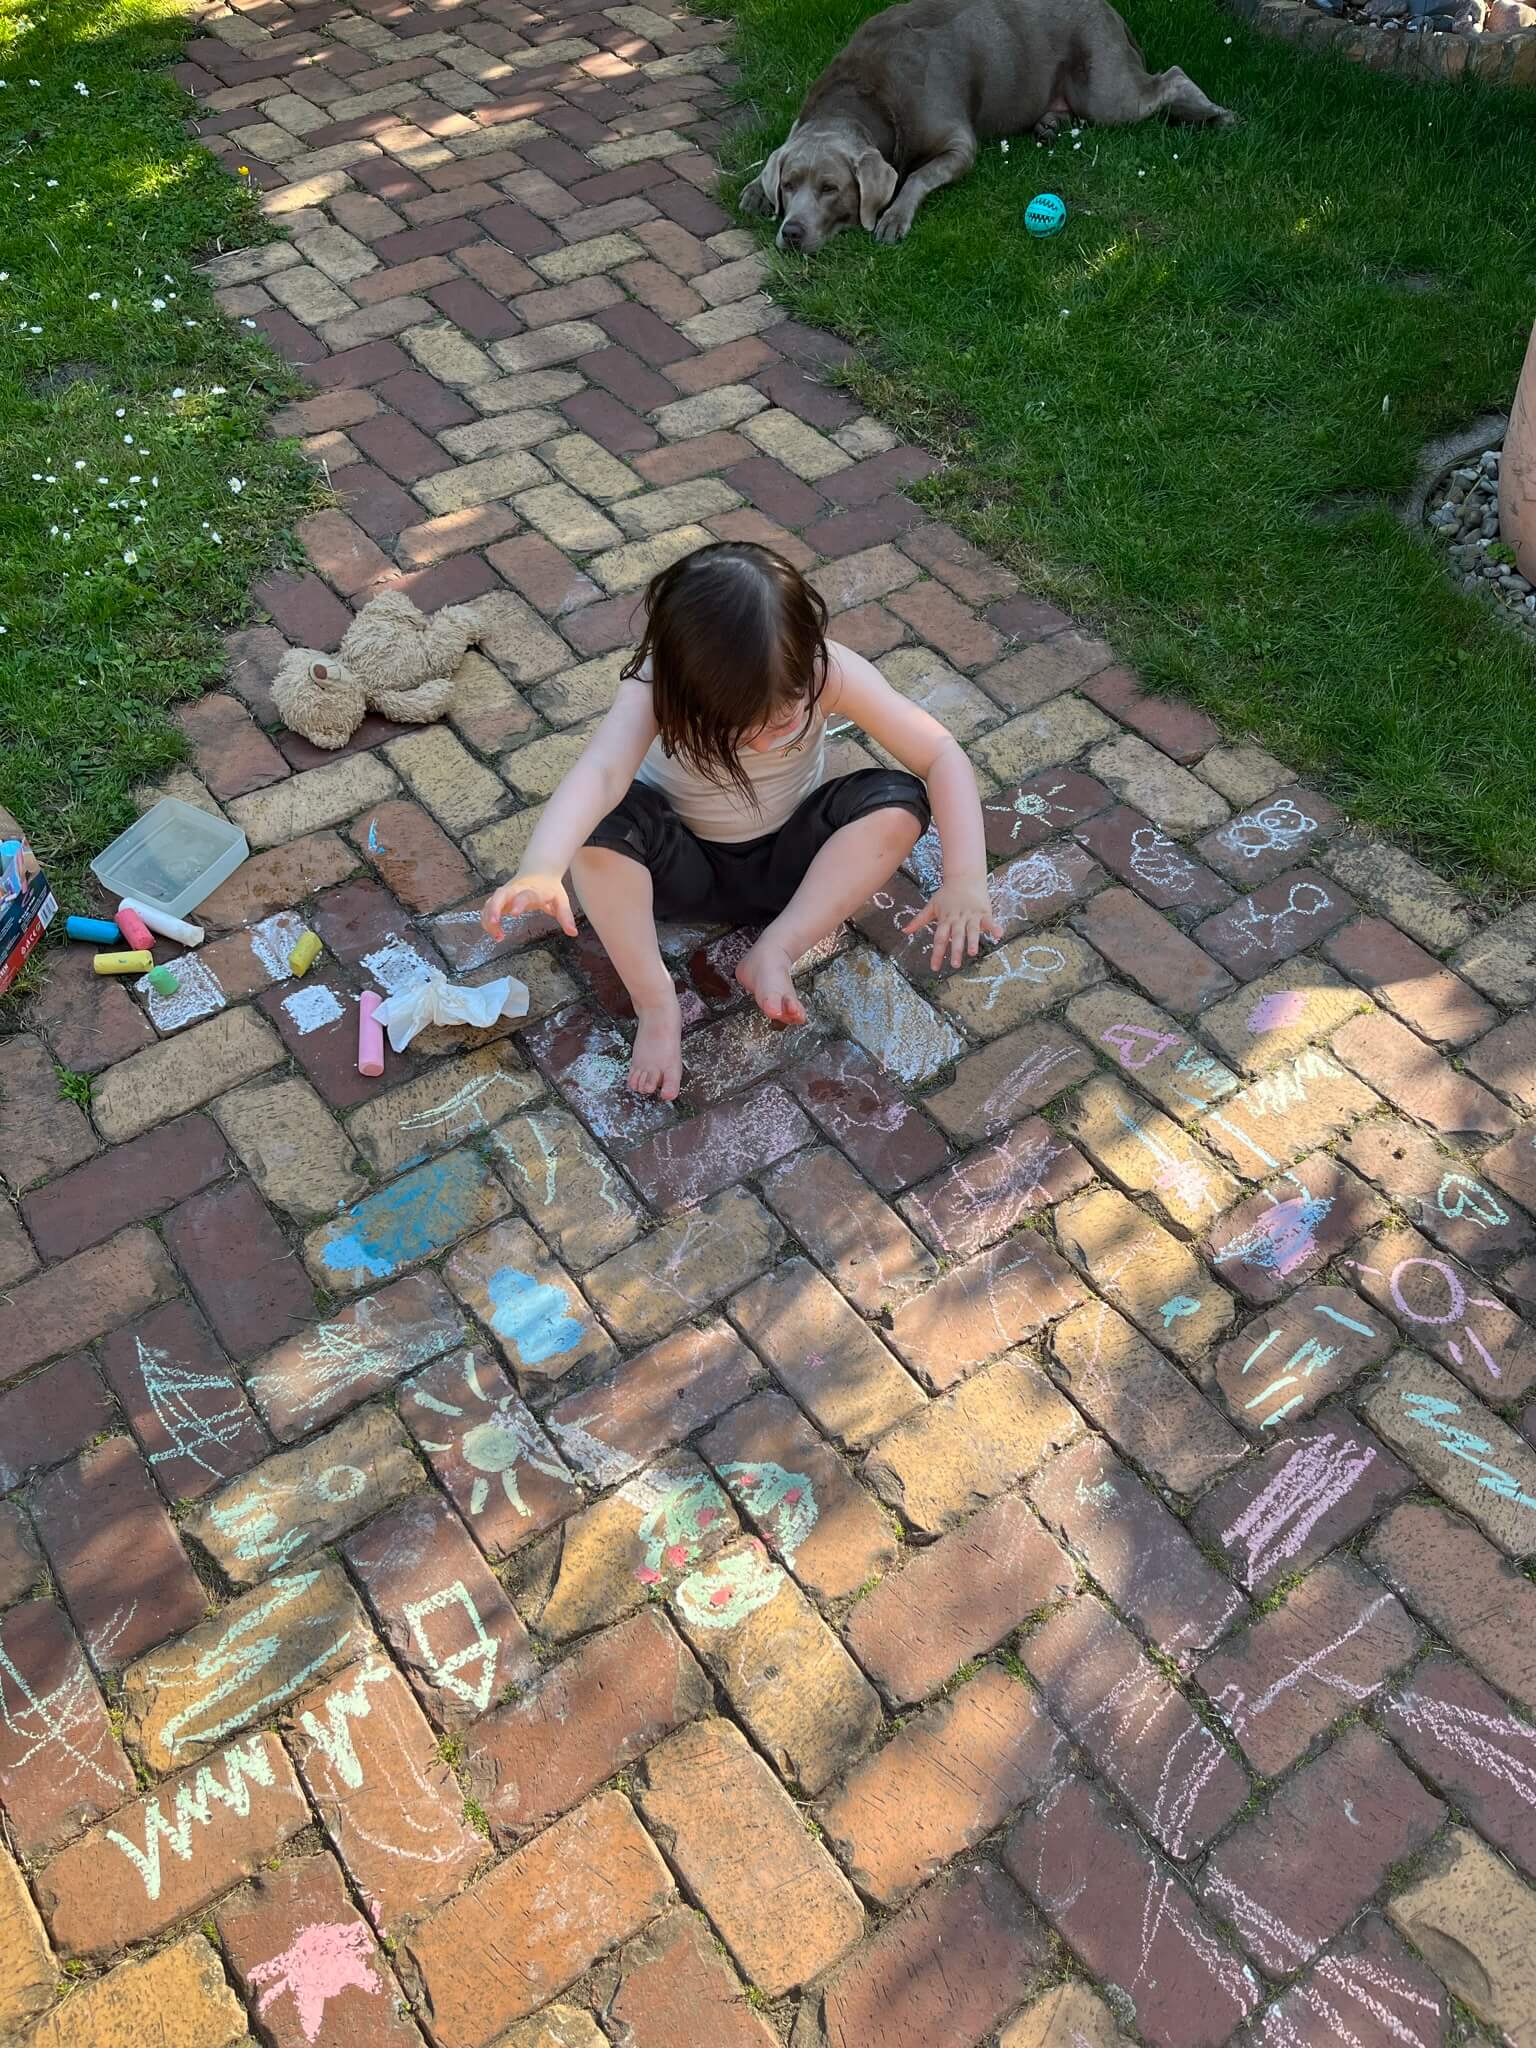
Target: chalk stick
x,y
162,922
134,929
304,954
370,1035
163,981
95,931
123,963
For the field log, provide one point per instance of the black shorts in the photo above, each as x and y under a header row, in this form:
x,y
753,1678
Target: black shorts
x,y
747,881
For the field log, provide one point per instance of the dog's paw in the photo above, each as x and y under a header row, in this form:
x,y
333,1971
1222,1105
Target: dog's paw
x,y
754,199
893,225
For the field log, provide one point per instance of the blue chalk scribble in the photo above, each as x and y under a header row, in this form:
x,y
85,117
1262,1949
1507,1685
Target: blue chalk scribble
x,y
531,1315
421,1214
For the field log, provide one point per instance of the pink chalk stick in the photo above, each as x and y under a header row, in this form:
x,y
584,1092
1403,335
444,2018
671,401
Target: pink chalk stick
x,y
370,1035
135,931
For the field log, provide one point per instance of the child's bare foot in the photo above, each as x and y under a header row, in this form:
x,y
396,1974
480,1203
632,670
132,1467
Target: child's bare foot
x,y
656,1065
768,976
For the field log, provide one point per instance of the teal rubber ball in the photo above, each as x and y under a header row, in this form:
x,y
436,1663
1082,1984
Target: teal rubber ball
x,y
1045,214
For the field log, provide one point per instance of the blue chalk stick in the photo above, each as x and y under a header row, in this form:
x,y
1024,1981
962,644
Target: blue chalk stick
x,y
99,931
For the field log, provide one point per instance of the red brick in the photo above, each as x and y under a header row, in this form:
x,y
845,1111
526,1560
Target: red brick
x,y
1302,1352
676,1168
1275,922
871,479
183,1400
830,1360
1459,1734
1506,1060
869,630
862,1243
77,1301
1325,1653
622,373
399,449
233,755
1143,855
1444,1309
937,616
608,1703
731,363
1176,728
457,581
290,338
359,367
413,243
1129,1920
1368,1990
306,1961
1140,1731
377,504
89,1020
861,1110
969,573
389,1802
683,203
128,1184
539,572
238,1807
1148,950
573,1893
327,414
425,402
945,1780
61,1766
304,609
1137,1550
789,1486
681,461
42,1132
1027,619
582,1055
675,1988
956,1600
1146,1407
993,1189
1459,1213
21,1566
473,309
1311,1492
49,1417
1408,981
981,1308
639,330
1024,817
415,859
1464,1590
328,1052
1417,1081
657,289
251,1285
600,414
1289,825
950,1965
775,490
1291,1877
653,1401
1290,1230
490,1456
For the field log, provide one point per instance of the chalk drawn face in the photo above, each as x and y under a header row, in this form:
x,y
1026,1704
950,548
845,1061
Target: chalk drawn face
x,y
674,1533
1275,828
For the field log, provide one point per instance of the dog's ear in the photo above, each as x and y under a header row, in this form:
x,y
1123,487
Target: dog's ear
x,y
768,178
877,186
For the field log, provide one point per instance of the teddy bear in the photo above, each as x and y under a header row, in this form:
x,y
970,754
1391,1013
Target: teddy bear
x,y
393,660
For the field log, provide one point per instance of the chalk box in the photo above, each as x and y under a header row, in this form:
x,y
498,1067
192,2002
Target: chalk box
x,y
27,908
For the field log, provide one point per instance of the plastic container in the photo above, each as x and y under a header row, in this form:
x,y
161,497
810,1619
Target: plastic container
x,y
172,858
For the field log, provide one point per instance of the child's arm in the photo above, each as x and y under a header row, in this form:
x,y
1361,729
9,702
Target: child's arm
x,y
961,911
599,780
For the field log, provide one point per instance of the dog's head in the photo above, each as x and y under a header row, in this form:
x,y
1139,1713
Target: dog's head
x,y
820,182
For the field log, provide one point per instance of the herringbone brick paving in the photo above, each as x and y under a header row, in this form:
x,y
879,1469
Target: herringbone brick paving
x,y
1004,1517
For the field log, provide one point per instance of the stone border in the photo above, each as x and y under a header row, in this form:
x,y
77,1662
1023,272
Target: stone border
x,y
1497,60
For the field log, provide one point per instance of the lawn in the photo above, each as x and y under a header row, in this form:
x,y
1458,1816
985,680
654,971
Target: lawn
x,y
142,494
1192,413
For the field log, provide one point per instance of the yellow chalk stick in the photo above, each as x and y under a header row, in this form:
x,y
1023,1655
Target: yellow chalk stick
x,y
305,954
123,963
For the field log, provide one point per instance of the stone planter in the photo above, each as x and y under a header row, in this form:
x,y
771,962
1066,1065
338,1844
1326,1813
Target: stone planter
x,y
1517,474
1501,60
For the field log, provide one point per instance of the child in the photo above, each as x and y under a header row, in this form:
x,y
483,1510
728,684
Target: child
x,y
703,797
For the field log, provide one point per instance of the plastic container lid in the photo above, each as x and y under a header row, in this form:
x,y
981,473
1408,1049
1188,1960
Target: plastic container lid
x,y
172,858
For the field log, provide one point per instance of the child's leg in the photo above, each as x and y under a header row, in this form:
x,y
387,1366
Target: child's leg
x,y
846,872
618,896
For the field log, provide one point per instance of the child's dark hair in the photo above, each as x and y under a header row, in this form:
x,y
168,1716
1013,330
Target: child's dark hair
x,y
734,635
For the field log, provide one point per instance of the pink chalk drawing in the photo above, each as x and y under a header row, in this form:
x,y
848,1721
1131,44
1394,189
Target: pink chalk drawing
x,y
1274,1012
674,1532
324,1960
1137,1046
1282,1240
1452,1304
1277,1522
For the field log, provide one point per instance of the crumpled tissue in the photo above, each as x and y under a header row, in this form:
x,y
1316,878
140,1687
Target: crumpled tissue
x,y
437,1000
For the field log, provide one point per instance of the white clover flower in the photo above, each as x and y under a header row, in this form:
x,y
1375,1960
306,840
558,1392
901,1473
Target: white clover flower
x,y
80,463
129,556
237,485
52,182
83,89
93,295
216,391
178,392
157,305
120,413
127,440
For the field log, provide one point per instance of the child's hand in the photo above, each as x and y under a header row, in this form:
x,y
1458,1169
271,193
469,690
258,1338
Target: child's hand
x,y
961,914
529,892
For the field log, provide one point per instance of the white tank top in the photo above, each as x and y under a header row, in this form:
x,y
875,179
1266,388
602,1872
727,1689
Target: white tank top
x,y
781,780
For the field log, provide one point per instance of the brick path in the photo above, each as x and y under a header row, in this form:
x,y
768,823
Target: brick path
x,y
998,1520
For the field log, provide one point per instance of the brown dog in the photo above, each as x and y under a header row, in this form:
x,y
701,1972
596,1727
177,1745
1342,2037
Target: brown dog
x,y
900,112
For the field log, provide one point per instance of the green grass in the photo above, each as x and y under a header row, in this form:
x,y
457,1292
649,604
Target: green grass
x,y
106,206
1146,415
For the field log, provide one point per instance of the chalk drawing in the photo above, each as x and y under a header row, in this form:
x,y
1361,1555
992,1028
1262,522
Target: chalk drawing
x,y
1240,1712
499,1436
1434,1413
1135,1713
410,1220
231,1667
311,1009
1251,929
367,1346
1495,1746
1454,1304
926,862
1137,1045
396,967
1274,828
681,1515
192,1807
273,940
532,1316
461,1112
1038,878
1309,1357
1265,1932
265,1521
59,1729
1033,968
1155,860
1178,1306
198,994
1282,1240
879,1007
783,1503
1026,804
1458,1195
1275,1525
1275,1012
1026,1078
1184,1180
323,1960
1352,1997
343,1706
190,1433
447,1670
727,1591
